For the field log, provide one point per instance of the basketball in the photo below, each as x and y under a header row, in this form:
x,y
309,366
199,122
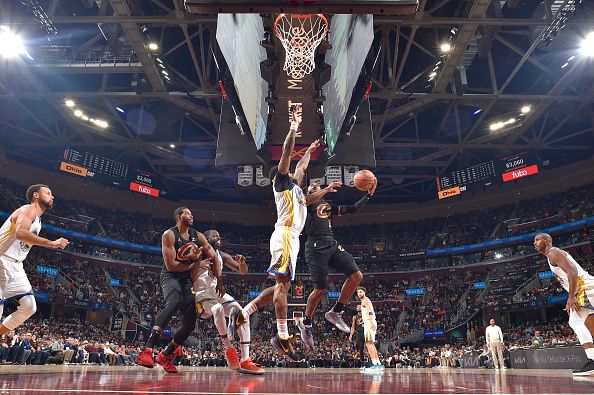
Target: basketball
x,y
185,251
364,180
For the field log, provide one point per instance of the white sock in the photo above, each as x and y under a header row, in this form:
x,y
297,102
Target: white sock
x,y
590,353
282,329
250,308
245,351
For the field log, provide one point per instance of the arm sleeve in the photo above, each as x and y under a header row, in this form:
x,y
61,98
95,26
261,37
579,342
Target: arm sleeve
x,y
281,182
353,208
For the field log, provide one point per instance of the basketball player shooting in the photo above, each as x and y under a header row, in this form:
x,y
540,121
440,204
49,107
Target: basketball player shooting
x,y
323,252
580,286
18,234
210,304
180,255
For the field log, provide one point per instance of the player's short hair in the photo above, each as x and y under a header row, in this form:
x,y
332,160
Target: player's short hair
x,y
178,212
209,233
272,173
546,236
32,189
362,289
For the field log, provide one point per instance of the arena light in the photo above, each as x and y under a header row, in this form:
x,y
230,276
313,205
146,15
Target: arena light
x,y
153,46
69,103
11,44
164,72
85,118
445,47
120,109
498,255
78,113
496,126
171,145
587,47
526,109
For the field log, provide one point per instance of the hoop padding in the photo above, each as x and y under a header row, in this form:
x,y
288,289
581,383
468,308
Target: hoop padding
x,y
300,35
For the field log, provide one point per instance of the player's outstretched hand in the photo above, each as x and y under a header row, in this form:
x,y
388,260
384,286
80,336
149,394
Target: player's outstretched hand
x,y
61,243
240,259
313,146
333,186
296,114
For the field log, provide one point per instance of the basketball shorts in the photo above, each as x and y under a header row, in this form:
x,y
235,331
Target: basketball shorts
x,y
369,333
177,283
284,249
13,279
321,255
204,305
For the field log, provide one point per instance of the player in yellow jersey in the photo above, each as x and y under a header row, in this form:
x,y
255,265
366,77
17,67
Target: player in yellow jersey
x,y
580,286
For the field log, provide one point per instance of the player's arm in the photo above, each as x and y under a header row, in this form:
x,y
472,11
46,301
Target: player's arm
x,y
559,258
289,144
304,162
371,312
169,254
22,230
317,196
344,209
214,258
236,263
352,328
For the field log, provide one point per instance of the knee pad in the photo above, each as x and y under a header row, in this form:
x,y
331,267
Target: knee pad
x,y
27,307
577,323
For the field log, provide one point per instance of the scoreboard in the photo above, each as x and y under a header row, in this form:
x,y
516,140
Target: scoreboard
x,y
505,169
109,171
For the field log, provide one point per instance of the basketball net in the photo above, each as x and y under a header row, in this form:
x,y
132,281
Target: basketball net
x,y
300,35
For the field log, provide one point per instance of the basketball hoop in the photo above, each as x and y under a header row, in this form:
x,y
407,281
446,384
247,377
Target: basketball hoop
x,y
300,35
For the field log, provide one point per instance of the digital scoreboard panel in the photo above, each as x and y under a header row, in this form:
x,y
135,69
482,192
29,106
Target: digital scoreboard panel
x,y
109,171
483,172
505,169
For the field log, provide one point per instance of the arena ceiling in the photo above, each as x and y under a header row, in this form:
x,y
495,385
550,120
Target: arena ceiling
x,y
95,53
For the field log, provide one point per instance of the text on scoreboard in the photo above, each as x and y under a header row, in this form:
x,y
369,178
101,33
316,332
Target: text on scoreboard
x,y
109,171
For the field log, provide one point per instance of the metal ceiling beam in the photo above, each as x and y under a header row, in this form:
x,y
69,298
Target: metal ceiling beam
x,y
108,94
430,22
467,30
82,68
138,43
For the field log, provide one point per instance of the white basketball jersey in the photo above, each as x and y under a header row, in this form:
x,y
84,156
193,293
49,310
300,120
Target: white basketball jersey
x,y
204,281
10,246
367,318
291,209
585,286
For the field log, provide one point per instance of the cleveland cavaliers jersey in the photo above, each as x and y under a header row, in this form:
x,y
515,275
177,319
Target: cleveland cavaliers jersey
x,y
291,209
204,281
585,285
10,246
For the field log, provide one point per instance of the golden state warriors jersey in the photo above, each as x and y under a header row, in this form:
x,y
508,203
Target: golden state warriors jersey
x,y
291,209
585,286
10,246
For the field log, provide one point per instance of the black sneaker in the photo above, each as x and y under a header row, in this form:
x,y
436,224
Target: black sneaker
x,y
285,347
586,370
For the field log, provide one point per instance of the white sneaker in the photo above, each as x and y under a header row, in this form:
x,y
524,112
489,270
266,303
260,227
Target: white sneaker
x,y
336,320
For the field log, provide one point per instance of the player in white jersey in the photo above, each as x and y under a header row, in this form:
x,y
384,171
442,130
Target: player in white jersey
x,y
284,243
369,330
17,235
210,304
580,286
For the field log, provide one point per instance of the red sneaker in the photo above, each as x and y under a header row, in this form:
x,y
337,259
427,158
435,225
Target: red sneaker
x,y
232,358
250,367
166,362
145,358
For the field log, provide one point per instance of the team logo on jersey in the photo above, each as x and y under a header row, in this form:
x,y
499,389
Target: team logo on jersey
x,y
324,210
